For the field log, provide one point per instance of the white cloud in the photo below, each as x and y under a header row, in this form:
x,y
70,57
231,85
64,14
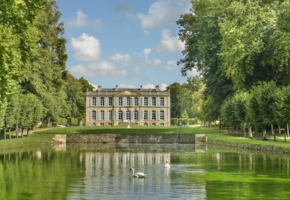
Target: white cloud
x,y
94,85
122,85
156,63
163,86
125,59
146,32
137,71
102,68
169,43
146,51
149,86
88,48
163,13
81,21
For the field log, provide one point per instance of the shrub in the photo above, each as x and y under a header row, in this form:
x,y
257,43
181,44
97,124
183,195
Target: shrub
x,y
184,121
69,120
54,124
192,121
173,120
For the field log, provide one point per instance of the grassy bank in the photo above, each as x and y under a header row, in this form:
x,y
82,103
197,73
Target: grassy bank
x,y
32,140
224,137
125,130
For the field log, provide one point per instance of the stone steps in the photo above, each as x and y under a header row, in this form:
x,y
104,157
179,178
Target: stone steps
x,y
126,124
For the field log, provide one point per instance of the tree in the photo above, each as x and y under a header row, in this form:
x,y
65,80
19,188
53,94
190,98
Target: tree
x,y
18,38
240,109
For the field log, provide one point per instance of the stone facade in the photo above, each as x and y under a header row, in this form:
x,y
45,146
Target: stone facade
x,y
114,106
132,138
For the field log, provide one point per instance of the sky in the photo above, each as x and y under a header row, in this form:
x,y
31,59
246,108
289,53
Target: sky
x,y
126,43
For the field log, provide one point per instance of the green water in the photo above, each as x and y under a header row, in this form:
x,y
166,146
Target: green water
x,y
102,172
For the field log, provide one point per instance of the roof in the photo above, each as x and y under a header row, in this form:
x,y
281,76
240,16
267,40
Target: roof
x,y
134,89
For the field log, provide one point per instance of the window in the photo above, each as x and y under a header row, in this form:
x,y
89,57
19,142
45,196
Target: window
x,y
94,102
101,124
153,124
120,101
153,101
120,115
153,115
161,101
161,115
136,115
102,115
145,101
145,115
145,124
102,101
128,101
110,101
110,115
161,124
109,124
128,115
94,115
136,101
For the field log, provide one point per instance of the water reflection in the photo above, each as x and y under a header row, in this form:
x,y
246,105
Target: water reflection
x,y
195,173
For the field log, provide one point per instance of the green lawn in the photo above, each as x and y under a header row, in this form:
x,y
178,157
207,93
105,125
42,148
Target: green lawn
x,y
125,130
223,137
32,140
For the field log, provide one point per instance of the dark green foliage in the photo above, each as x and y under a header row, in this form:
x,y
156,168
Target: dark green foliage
x,y
173,121
54,124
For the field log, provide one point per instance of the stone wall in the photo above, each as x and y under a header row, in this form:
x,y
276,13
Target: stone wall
x,y
252,147
131,138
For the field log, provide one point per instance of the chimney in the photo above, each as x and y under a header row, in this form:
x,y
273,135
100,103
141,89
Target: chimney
x,y
99,88
157,88
116,89
141,88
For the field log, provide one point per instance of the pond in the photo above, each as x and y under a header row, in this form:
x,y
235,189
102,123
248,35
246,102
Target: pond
x,y
102,172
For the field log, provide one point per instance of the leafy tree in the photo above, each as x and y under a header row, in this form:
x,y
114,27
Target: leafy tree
x,y
240,109
18,38
266,101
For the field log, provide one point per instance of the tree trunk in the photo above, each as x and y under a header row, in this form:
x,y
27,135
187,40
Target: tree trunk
x,y
250,132
273,132
285,136
28,132
17,131
9,133
287,130
264,133
272,129
4,133
228,130
245,134
21,132
279,128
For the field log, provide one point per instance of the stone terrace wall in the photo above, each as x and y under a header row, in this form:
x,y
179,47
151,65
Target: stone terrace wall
x,y
131,138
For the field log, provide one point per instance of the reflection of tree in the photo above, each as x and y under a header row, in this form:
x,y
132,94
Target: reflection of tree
x,y
38,175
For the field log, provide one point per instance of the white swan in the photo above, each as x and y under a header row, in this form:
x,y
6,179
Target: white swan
x,y
138,174
167,164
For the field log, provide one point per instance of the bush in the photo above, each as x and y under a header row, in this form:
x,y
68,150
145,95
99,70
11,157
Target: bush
x,y
192,121
54,124
184,121
69,121
173,120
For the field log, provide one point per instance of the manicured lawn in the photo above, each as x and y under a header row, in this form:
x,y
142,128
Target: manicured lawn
x,y
125,130
223,137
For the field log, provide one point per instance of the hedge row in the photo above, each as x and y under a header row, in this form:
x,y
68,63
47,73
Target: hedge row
x,y
71,121
184,121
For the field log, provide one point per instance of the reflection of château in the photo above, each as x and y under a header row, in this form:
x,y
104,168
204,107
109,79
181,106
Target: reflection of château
x,y
114,106
106,161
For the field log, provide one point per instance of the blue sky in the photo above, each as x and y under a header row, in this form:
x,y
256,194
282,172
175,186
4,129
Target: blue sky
x,y
126,43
